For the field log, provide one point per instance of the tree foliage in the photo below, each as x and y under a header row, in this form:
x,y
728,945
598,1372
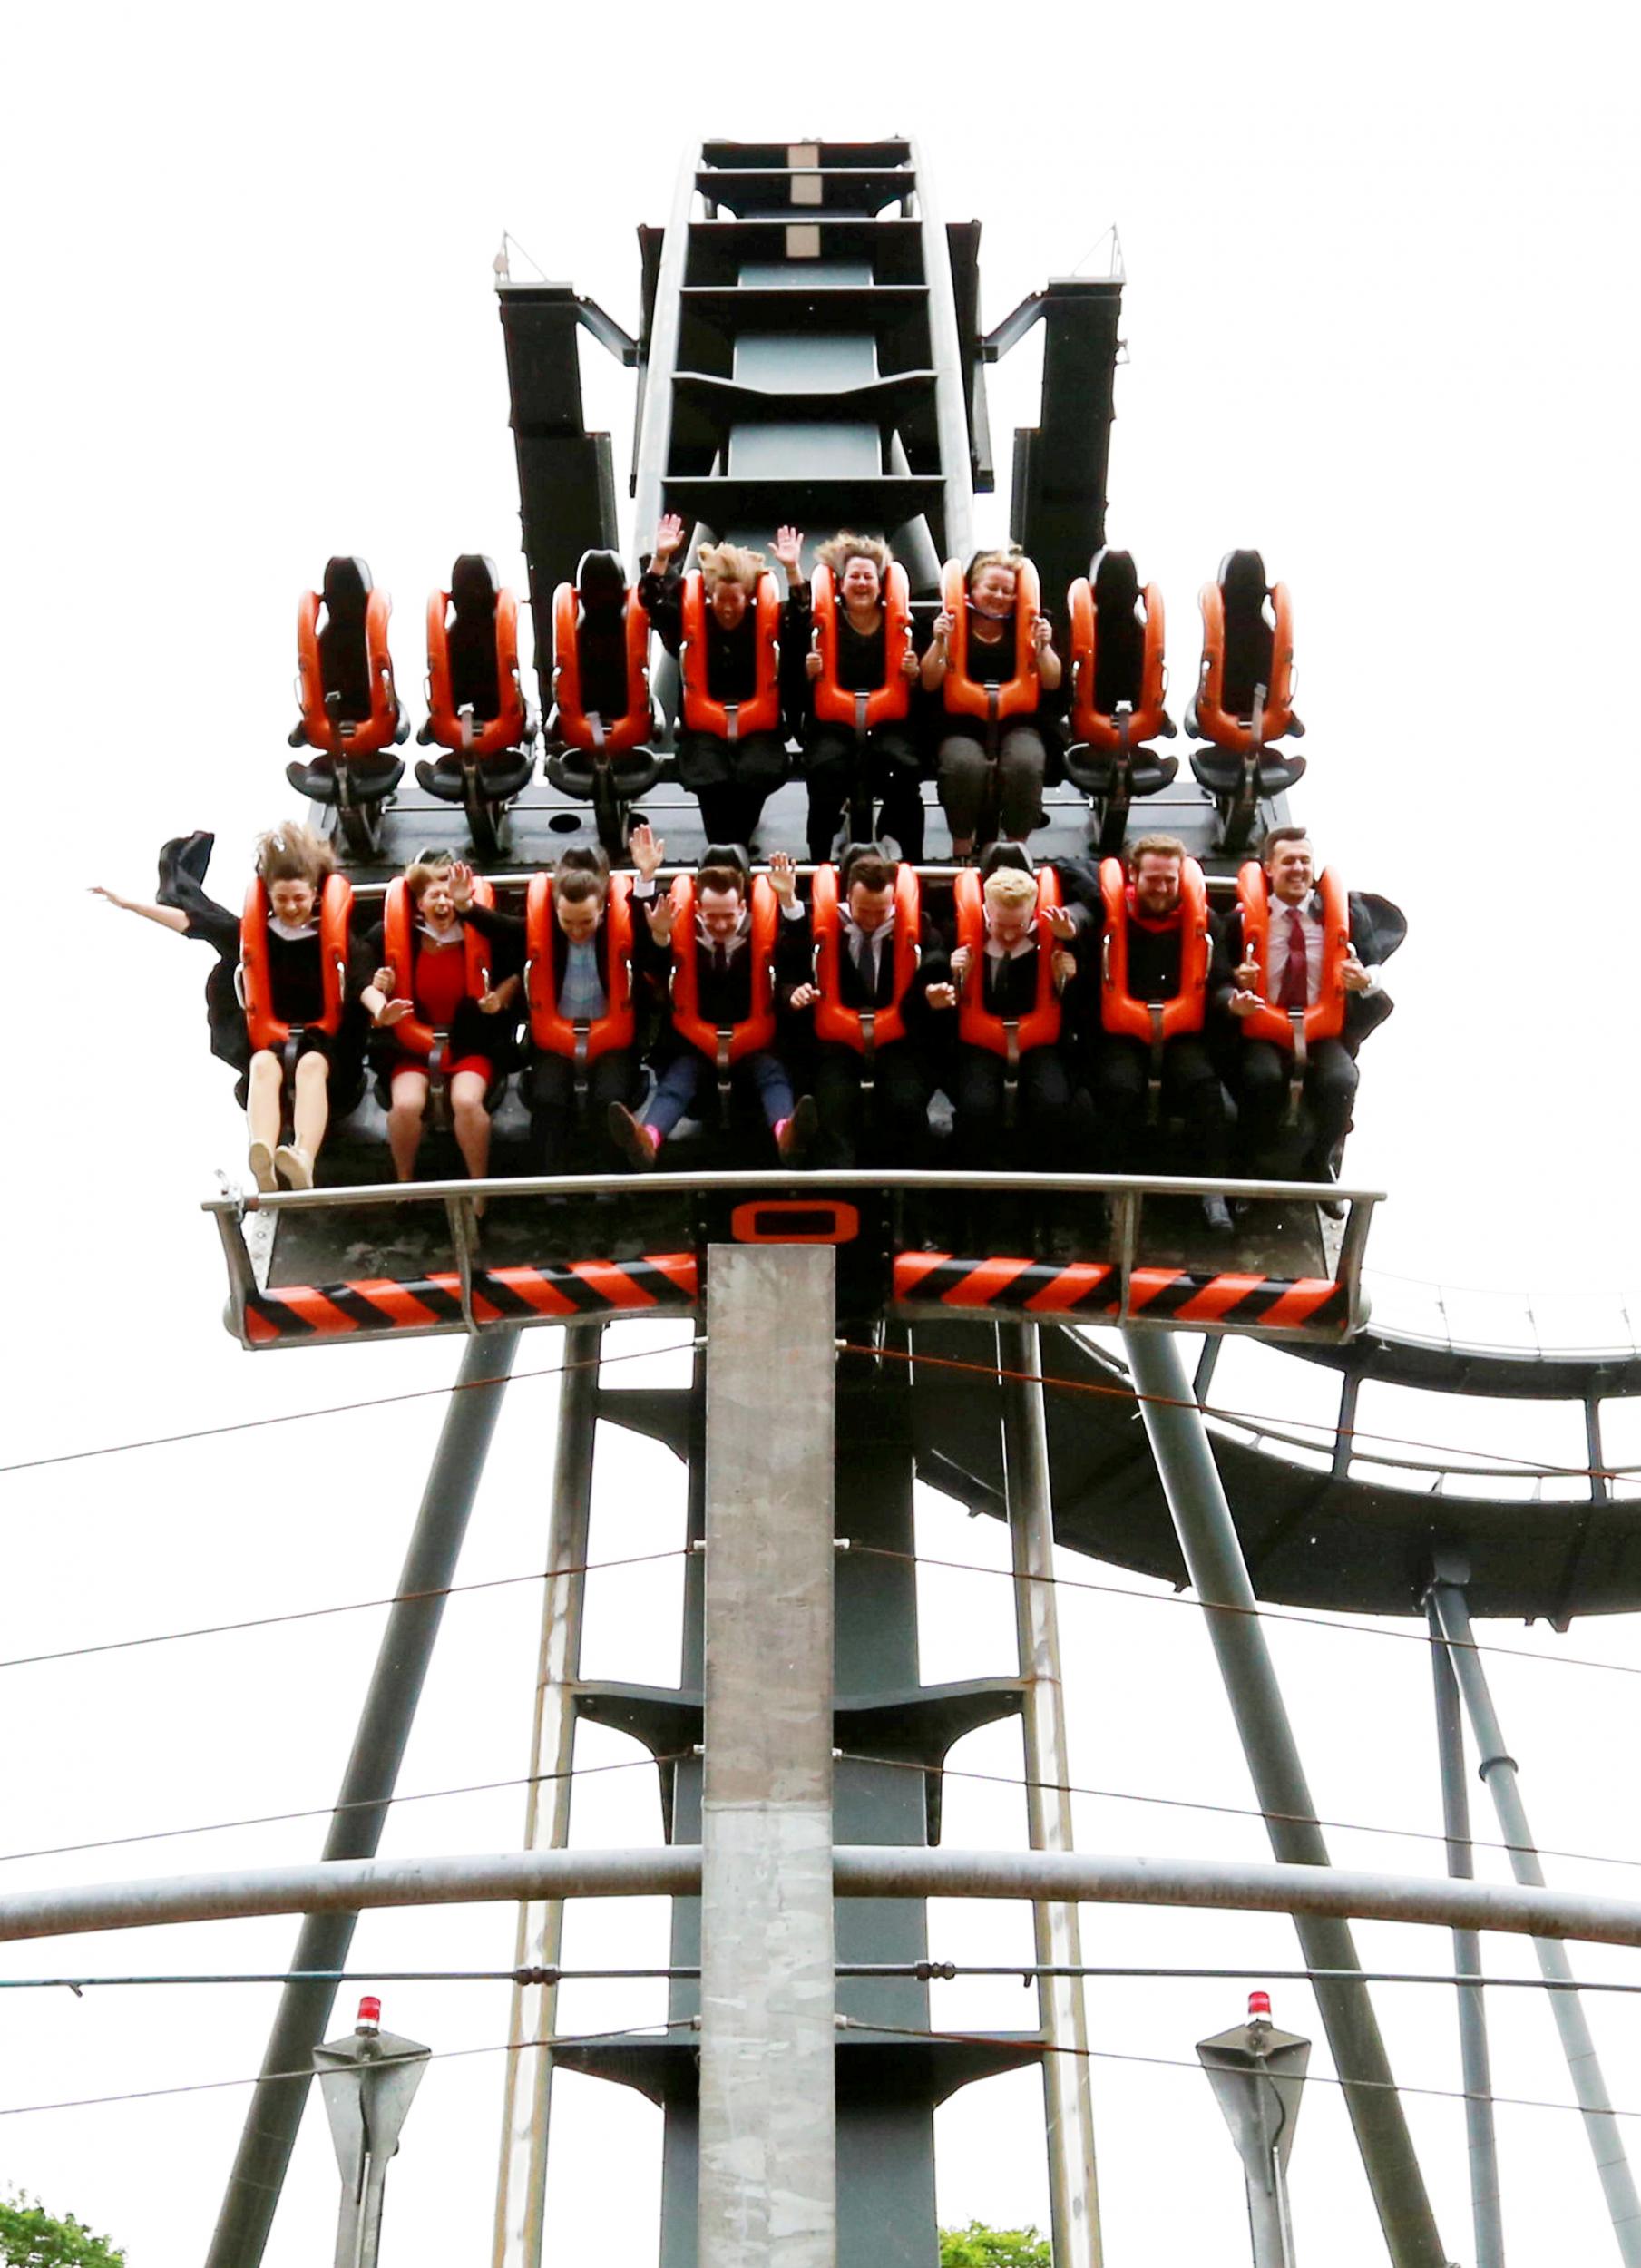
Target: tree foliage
x,y
31,2238
977,2247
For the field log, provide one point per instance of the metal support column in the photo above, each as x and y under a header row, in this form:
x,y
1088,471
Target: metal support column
x,y
252,2194
522,2183
1497,1769
1073,2191
768,2182
1219,1571
1475,2061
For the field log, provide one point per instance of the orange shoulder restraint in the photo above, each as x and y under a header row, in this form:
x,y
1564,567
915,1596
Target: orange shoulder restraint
x,y
490,735
1213,720
571,723
730,719
1324,1018
846,1027
415,1035
757,1029
976,1023
833,703
970,697
1090,723
549,1028
335,904
1155,1021
371,734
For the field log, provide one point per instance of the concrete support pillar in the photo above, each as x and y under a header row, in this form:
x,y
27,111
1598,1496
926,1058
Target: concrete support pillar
x,y
767,2194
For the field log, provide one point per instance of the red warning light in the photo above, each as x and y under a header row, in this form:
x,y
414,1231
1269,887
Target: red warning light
x,y
1259,2004
370,2011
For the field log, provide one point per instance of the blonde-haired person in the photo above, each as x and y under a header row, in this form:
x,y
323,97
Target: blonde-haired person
x,y
293,863
441,997
999,973
991,782
860,568
731,779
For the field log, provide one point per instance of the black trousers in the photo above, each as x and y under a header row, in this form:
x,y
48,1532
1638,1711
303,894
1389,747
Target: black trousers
x,y
889,1125
566,1140
731,779
1119,1081
1042,1111
1330,1095
889,760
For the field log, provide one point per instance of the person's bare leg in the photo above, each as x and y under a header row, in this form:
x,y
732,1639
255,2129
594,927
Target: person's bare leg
x,y
405,1122
472,1122
262,1115
312,1113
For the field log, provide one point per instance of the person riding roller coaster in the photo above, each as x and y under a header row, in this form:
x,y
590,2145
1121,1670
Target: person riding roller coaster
x,y
1298,969
1014,957
877,970
860,668
1142,1010
724,621
711,945
283,997
441,1011
991,659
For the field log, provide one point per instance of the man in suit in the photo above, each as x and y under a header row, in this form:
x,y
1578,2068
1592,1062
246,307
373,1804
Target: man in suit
x,y
1303,957
874,972
1010,1094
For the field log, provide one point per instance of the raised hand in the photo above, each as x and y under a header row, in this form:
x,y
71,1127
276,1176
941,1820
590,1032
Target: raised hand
x,y
648,850
1043,629
669,538
789,551
1060,921
658,913
460,887
783,876
812,664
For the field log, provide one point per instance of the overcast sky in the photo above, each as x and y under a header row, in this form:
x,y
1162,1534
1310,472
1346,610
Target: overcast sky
x,y
1380,323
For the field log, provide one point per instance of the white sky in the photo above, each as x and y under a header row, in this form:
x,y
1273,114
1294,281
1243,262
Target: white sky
x,y
1380,314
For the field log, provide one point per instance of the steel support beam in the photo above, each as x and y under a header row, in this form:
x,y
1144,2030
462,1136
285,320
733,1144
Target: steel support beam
x,y
859,1870
1219,1571
768,2155
1475,2061
252,2194
1498,1768
521,2182
1068,2093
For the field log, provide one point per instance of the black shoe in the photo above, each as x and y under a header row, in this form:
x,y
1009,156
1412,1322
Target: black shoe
x,y
798,1132
183,861
1218,1214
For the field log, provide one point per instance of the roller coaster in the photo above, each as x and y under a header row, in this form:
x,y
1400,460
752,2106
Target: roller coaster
x,y
810,350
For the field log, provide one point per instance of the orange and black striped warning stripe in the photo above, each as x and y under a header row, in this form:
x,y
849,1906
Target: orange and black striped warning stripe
x,y
1086,1287
552,1293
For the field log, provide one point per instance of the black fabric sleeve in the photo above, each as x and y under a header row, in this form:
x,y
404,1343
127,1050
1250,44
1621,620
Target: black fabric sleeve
x,y
661,598
215,926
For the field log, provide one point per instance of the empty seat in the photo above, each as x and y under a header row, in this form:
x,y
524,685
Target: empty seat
x,y
351,711
1245,693
601,715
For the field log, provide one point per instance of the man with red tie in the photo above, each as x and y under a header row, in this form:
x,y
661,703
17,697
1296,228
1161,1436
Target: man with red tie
x,y
1303,984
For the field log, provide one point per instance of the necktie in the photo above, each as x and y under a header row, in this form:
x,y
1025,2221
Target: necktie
x,y
1296,974
720,958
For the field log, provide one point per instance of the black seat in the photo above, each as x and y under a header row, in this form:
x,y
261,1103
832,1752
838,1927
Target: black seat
x,y
614,782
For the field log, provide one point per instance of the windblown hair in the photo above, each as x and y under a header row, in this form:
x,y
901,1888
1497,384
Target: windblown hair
x,y
1009,886
730,562
421,871
1010,556
838,549
294,854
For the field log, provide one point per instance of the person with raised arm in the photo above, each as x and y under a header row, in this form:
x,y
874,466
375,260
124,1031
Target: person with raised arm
x,y
724,621
859,747
443,1010
991,661
282,999
1299,973
713,940
875,985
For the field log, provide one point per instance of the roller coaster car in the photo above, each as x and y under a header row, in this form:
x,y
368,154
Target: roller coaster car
x,y
601,715
476,710
351,711
1244,695
1118,683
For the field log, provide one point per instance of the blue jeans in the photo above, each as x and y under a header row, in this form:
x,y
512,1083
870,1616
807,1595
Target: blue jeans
x,y
689,1072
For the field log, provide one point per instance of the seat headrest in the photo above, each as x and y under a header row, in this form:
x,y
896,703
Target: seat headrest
x,y
601,582
346,586
1242,577
852,851
1006,854
473,584
725,854
1116,580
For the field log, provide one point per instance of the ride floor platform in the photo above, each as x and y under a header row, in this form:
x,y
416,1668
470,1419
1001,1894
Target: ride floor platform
x,y
542,826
